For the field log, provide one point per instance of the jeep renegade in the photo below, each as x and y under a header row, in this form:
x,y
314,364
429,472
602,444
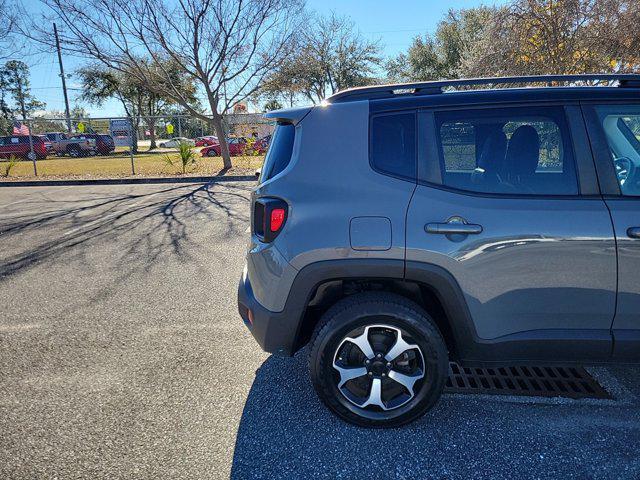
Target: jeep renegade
x,y
395,228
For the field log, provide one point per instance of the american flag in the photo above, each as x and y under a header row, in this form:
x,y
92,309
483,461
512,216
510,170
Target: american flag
x,y
20,128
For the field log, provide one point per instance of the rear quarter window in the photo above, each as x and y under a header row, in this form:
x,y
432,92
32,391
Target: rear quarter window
x,y
393,144
280,151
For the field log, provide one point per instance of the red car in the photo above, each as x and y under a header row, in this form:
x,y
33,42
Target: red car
x,y
47,143
206,141
237,146
18,146
104,143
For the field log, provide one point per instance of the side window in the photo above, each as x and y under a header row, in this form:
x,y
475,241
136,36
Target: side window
x,y
507,151
393,144
621,125
280,151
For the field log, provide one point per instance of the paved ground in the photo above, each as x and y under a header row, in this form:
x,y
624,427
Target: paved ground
x,y
122,356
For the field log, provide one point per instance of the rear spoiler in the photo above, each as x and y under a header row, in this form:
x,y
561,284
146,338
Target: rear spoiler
x,y
288,115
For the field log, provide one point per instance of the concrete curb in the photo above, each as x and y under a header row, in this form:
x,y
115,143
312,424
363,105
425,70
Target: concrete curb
x,y
128,181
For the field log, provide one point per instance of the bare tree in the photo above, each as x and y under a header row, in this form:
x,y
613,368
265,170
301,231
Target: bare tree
x,y
331,55
227,46
8,45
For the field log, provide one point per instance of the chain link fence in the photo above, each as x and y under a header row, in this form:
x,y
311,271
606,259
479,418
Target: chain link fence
x,y
99,147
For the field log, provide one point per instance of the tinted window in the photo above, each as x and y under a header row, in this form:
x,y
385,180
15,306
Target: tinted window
x,y
393,144
279,153
508,151
621,125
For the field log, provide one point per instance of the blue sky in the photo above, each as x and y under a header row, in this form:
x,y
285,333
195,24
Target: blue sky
x,y
395,24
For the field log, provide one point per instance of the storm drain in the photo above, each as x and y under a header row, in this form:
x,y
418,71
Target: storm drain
x,y
569,382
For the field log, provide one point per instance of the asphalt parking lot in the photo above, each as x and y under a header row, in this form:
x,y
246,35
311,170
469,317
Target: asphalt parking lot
x,y
122,356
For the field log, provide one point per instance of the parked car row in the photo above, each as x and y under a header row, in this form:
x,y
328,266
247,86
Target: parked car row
x,y
56,143
89,144
238,146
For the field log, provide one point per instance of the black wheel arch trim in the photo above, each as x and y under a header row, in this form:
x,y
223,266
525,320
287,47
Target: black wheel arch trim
x,y
315,274
280,332
434,277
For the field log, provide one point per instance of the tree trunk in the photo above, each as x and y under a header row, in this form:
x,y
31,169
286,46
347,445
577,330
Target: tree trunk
x,y
216,122
151,125
134,133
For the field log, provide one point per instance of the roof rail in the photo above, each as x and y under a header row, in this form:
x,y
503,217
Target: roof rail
x,y
435,87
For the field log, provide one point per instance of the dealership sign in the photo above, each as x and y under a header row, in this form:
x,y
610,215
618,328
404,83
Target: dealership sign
x,y
121,132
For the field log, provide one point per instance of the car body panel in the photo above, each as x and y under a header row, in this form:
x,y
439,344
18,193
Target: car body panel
x,y
537,264
626,214
206,141
270,274
318,226
104,144
537,283
176,141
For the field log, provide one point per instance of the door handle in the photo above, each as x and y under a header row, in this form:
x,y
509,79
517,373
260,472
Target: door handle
x,y
453,228
633,232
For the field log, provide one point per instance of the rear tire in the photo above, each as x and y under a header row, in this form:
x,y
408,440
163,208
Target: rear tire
x,y
394,380
74,151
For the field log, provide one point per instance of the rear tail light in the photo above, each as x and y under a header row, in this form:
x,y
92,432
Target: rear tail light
x,y
277,219
269,218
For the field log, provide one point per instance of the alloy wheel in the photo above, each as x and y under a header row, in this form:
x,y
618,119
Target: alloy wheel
x,y
379,368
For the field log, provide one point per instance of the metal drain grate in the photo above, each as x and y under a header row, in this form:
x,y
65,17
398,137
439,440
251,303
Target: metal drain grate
x,y
569,382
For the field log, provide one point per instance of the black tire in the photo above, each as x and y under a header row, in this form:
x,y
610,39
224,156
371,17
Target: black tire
x,y
74,151
371,309
212,153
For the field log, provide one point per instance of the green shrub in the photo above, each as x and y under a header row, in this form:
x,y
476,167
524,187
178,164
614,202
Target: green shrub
x,y
8,165
186,158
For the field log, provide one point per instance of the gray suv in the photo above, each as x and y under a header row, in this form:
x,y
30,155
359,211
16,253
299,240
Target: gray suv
x,y
395,228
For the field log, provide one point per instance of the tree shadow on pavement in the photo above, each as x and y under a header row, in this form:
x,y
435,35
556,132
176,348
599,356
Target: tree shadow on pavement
x,y
157,222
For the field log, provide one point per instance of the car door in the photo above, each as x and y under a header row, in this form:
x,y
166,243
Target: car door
x,y
234,146
508,205
16,147
614,130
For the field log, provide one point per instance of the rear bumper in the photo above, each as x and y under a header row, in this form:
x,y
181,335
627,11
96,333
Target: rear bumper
x,y
275,332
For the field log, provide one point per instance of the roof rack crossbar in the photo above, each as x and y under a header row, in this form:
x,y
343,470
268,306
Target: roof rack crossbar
x,y
435,87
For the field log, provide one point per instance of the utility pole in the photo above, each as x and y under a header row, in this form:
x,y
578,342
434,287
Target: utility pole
x,y
64,81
